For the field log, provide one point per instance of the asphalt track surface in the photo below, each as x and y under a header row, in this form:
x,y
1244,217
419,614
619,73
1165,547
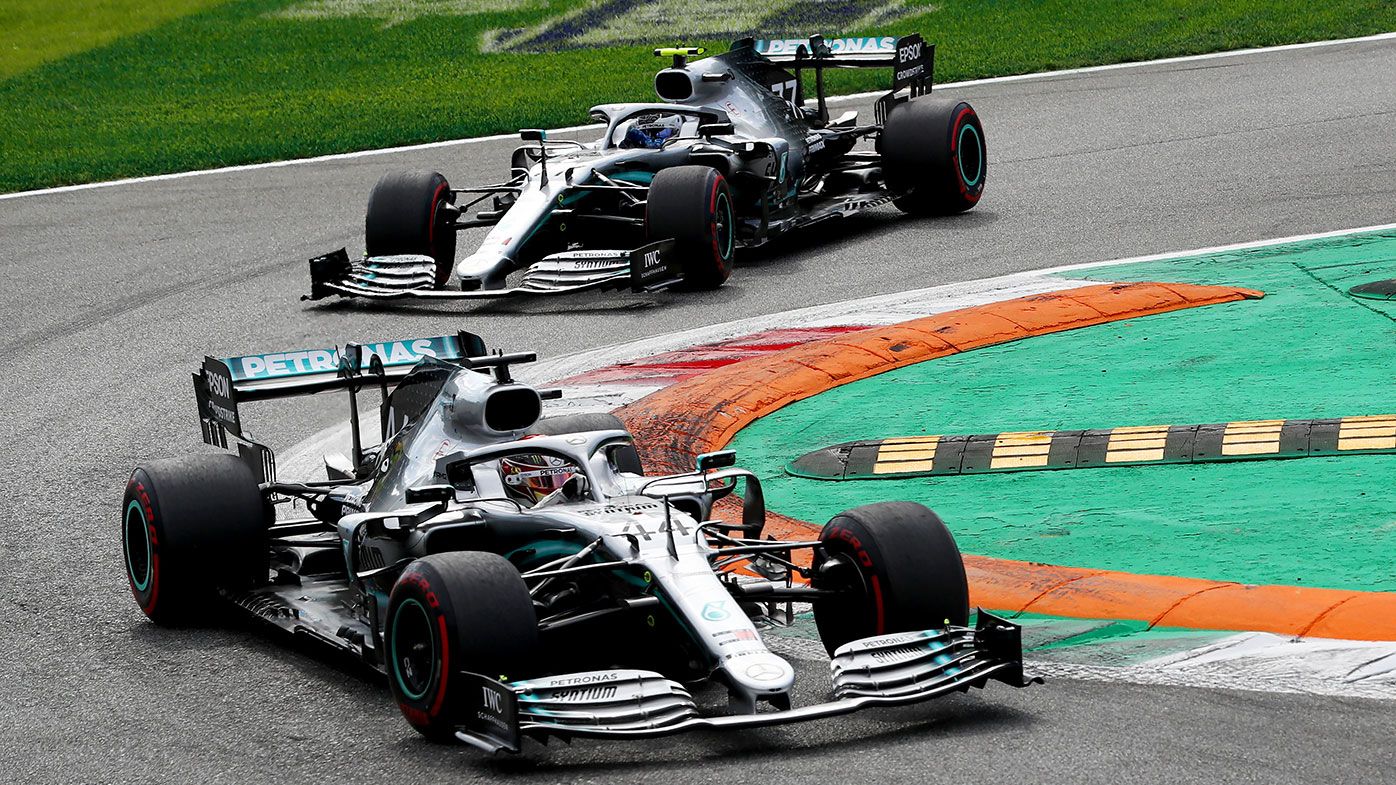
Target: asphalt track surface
x,y
112,296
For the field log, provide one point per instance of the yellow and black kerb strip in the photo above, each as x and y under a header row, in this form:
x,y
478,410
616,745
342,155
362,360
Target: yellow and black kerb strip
x,y
1136,445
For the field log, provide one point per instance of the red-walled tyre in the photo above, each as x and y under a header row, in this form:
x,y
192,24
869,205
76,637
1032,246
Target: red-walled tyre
x,y
896,569
934,156
452,612
189,527
405,216
693,206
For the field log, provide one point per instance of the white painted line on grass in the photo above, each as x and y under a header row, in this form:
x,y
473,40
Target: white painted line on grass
x,y
833,99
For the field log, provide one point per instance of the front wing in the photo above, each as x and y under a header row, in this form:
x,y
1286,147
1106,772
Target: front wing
x,y
887,670
650,268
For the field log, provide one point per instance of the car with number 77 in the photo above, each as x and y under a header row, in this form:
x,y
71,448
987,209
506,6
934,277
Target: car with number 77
x,y
731,156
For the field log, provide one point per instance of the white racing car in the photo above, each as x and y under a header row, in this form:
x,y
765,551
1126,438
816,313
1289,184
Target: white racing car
x,y
520,577
731,156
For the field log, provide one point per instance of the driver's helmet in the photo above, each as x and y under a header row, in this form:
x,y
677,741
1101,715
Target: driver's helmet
x,y
529,477
651,130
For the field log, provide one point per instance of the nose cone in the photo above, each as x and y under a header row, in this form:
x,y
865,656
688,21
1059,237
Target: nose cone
x,y
760,673
484,269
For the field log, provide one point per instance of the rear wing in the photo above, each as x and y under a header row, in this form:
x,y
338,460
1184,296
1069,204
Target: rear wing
x,y
222,384
911,59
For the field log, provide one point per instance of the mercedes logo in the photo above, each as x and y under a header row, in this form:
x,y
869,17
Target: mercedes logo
x,y
765,671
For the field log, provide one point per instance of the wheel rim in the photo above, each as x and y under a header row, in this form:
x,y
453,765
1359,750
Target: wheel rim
x,y
970,156
136,538
723,227
413,650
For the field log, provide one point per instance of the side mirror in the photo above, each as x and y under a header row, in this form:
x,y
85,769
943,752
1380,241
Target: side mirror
x,y
338,467
716,129
533,135
716,460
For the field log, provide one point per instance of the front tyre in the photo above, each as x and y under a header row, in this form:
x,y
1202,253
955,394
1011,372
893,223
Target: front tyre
x,y
453,612
692,206
407,215
189,527
895,568
934,156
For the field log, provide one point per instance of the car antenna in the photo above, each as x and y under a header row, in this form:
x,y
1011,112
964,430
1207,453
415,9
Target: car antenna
x,y
501,370
679,53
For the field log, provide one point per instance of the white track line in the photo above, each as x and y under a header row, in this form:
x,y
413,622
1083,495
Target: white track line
x,y
835,99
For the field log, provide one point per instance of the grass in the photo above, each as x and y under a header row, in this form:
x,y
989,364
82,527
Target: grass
x,y
37,32
120,89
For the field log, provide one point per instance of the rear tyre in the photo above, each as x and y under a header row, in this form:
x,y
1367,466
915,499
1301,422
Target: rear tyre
x,y
896,568
934,156
693,206
625,458
405,216
452,612
189,527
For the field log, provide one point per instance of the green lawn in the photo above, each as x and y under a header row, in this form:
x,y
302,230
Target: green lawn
x,y
101,89
37,32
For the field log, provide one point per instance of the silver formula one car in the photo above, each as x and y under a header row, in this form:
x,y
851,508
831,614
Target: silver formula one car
x,y
730,158
521,577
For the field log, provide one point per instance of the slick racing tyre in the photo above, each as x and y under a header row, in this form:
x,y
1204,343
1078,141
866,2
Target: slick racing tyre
x,y
190,526
934,156
692,206
896,569
625,458
405,216
453,612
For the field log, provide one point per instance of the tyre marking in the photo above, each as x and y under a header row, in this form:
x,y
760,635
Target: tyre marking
x,y
144,582
955,153
431,236
881,628
712,221
148,513
445,668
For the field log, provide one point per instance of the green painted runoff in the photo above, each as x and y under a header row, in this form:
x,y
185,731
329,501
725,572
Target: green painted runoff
x,y
1307,349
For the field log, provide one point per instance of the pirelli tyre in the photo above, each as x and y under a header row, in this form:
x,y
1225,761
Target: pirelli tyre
x,y
625,458
934,156
693,206
452,612
406,216
894,568
191,526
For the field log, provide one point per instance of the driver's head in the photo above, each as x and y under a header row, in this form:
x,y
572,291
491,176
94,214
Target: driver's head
x,y
530,477
650,131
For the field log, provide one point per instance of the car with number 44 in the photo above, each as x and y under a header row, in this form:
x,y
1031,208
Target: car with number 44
x,y
515,576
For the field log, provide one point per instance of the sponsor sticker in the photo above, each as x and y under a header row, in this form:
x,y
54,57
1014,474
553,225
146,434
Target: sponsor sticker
x,y
839,46
279,365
